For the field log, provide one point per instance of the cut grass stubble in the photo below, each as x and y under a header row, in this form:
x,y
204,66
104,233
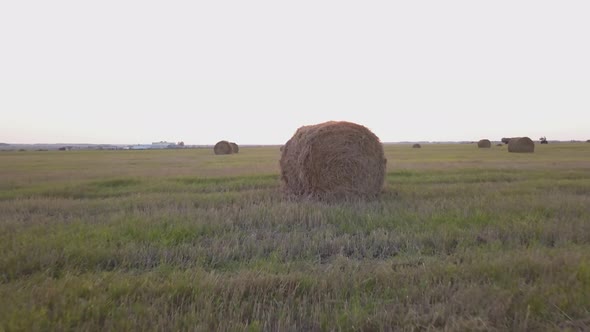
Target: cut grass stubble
x,y
487,241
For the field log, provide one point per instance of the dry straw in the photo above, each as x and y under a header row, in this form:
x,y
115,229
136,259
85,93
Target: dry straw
x,y
521,145
223,147
484,144
234,147
333,160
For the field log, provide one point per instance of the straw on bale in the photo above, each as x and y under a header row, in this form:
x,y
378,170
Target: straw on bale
x,y
223,147
484,144
521,145
234,147
333,160
416,146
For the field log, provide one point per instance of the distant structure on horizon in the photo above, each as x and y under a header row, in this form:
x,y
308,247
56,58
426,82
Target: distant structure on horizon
x,y
163,145
157,146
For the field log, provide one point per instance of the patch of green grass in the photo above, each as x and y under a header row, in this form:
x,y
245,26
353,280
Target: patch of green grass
x,y
461,239
228,183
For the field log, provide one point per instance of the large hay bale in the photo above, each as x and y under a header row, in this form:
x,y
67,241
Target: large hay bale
x,y
223,147
234,147
333,160
521,145
416,146
484,144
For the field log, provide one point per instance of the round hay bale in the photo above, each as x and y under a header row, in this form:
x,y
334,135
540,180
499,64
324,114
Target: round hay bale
x,y
521,145
499,144
234,147
223,147
416,146
484,144
333,160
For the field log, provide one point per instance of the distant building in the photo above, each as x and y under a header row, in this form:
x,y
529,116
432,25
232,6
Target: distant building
x,y
154,146
163,145
140,147
107,147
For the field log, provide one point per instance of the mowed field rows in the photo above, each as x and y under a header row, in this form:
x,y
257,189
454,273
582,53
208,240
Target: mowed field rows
x,y
461,239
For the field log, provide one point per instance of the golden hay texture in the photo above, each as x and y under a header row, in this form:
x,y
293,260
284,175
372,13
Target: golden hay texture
x,y
484,144
223,147
333,160
234,147
521,145
416,146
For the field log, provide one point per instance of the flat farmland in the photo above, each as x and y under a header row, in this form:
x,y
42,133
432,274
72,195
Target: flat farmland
x,y
461,239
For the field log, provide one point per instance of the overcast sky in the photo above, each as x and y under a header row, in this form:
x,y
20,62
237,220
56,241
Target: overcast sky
x,y
254,71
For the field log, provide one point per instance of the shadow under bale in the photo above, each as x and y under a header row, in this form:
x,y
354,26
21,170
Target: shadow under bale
x,y
333,160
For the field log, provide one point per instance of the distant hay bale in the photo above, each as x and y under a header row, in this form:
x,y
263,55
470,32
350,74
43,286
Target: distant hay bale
x,y
484,144
499,144
416,146
234,147
521,145
333,160
223,147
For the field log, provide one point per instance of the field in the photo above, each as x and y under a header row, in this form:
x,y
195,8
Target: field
x,y
462,239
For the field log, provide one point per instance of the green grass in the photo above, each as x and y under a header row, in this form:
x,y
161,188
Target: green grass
x,y
461,239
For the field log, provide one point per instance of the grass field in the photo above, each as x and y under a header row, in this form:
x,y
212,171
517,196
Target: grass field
x,y
462,239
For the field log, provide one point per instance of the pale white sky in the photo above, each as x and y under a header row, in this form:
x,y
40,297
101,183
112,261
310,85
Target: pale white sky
x,y
120,71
